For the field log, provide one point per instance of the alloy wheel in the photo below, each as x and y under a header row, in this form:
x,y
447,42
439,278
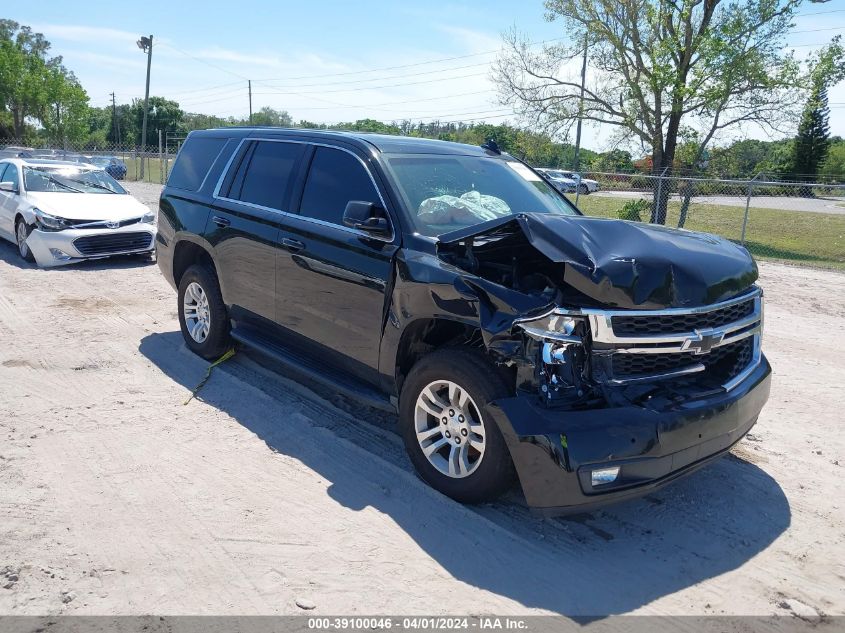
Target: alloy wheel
x,y
196,312
449,429
21,234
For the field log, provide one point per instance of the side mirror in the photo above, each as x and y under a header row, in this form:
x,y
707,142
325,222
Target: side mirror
x,y
8,186
366,216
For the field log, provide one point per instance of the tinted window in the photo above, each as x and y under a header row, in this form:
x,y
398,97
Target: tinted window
x,y
3,167
195,159
334,179
268,173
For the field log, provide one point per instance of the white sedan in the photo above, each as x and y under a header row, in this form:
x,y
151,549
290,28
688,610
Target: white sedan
x,y
568,182
61,212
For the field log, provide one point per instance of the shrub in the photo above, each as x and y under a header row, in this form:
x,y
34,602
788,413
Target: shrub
x,y
633,210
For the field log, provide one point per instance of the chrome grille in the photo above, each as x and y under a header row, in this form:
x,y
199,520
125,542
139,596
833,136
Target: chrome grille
x,y
668,323
722,364
720,342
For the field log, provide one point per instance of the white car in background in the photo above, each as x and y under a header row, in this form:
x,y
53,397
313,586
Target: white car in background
x,y
568,182
59,212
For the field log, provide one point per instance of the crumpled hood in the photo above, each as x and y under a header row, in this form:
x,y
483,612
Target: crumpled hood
x,y
87,206
632,265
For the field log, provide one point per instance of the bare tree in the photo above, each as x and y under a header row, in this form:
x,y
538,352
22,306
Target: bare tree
x,y
660,70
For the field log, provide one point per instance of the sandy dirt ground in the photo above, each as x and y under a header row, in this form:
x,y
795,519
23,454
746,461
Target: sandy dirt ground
x,y
262,496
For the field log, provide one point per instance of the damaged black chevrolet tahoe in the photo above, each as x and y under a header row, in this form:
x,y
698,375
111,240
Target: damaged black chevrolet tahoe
x,y
593,359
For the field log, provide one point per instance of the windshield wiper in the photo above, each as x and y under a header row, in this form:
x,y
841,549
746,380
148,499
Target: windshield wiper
x,y
61,184
92,184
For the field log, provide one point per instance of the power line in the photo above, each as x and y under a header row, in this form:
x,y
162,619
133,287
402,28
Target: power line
x,y
834,28
203,61
411,83
210,88
358,81
799,15
381,68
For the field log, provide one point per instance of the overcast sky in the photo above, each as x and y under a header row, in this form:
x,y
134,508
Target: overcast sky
x,y
324,61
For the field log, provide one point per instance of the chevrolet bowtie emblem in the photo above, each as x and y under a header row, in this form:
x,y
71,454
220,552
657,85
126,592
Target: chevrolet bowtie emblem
x,y
702,343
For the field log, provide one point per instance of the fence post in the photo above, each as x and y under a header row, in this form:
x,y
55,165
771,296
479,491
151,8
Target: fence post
x,y
577,187
747,205
656,213
160,161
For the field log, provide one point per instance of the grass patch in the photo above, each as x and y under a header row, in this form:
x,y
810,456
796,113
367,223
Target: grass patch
x,y
154,170
809,239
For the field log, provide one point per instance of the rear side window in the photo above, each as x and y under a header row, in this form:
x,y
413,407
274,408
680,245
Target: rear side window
x,y
335,178
195,159
265,173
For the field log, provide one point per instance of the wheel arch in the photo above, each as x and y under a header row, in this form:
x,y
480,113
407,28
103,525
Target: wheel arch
x,y
186,253
423,336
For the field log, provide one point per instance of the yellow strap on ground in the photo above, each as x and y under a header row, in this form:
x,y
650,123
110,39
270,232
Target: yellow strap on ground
x,y
202,382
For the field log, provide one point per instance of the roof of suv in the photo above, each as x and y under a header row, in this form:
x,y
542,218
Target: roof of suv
x,y
385,143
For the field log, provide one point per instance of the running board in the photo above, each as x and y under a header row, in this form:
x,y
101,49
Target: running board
x,y
336,381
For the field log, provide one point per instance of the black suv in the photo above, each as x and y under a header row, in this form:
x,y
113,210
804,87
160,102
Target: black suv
x,y
594,359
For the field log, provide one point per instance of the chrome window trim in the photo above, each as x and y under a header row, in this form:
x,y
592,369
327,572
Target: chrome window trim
x,y
216,193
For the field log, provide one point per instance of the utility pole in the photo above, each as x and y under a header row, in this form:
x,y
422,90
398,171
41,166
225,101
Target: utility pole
x,y
249,82
114,123
577,160
581,103
146,45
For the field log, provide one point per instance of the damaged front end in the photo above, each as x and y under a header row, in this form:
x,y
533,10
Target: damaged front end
x,y
635,351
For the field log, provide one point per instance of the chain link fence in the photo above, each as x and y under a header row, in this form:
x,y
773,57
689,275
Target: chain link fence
x,y
134,163
794,222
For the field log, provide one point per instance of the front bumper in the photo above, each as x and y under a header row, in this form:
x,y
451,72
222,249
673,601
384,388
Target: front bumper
x,y
555,451
58,248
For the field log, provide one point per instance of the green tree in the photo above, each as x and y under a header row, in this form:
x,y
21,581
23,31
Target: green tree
x,y
164,115
811,144
65,116
613,161
36,87
195,121
658,65
271,116
833,168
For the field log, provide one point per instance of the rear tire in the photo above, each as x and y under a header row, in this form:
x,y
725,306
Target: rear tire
x,y
22,231
464,457
203,317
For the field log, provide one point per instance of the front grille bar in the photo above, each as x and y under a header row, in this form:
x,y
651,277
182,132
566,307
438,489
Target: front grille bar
x,y
697,341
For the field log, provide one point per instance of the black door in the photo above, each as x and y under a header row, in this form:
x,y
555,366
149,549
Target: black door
x,y
331,283
245,223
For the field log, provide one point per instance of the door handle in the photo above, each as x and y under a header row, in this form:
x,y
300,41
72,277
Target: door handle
x,y
221,222
292,244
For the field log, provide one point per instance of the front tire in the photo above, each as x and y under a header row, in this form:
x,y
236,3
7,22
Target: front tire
x,y
22,231
203,318
452,445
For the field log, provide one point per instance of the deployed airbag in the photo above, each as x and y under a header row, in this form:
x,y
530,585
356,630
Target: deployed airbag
x,y
471,207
